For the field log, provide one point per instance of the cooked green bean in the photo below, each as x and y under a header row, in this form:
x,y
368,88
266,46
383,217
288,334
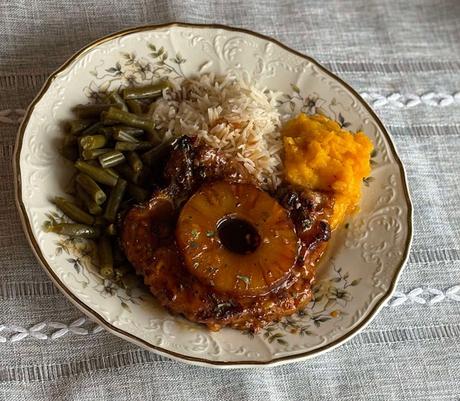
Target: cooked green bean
x,y
93,142
98,174
154,138
111,229
130,146
134,106
74,230
115,98
111,158
92,129
91,205
124,137
127,173
69,148
146,92
92,110
100,221
70,140
152,155
138,193
110,123
91,188
105,257
114,201
106,131
119,257
127,118
112,172
76,126
91,154
134,161
70,152
73,211
128,130
151,109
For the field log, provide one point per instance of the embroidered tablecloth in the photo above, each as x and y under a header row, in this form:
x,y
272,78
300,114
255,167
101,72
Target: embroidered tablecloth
x,y
404,58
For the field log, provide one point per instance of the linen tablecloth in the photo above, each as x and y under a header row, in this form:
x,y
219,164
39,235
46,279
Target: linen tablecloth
x,y
404,57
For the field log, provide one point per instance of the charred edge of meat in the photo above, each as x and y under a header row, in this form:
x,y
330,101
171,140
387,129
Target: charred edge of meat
x,y
189,165
308,210
179,168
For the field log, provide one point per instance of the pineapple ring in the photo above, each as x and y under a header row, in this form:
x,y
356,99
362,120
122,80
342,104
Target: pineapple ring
x,y
237,239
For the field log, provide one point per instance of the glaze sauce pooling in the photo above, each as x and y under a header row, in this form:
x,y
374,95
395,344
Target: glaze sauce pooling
x,y
238,235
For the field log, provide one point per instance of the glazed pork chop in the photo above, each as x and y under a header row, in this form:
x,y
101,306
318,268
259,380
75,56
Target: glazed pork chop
x,y
217,249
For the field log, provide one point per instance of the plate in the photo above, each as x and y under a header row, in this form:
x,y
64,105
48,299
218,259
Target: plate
x,y
364,259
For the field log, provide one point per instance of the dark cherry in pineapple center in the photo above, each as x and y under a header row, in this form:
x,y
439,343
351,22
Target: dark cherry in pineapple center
x,y
238,235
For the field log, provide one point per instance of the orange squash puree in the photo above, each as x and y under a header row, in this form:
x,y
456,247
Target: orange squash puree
x,y
320,155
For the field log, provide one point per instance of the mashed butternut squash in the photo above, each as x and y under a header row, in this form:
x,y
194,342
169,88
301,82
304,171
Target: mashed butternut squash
x,y
320,155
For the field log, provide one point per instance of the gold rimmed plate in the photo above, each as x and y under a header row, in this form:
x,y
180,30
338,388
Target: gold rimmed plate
x,y
364,259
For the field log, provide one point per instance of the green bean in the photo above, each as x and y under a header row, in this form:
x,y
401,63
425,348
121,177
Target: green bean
x,y
130,146
138,193
76,126
114,201
91,154
124,137
70,152
112,172
119,257
106,131
108,122
128,130
115,98
145,92
152,155
127,173
105,257
114,131
134,106
111,158
134,161
91,110
91,205
151,109
98,174
125,205
70,140
111,229
129,119
154,138
69,148
74,230
93,142
92,189
100,222
73,211
92,129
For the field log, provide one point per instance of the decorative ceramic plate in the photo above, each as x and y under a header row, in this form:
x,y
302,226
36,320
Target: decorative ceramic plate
x,y
356,276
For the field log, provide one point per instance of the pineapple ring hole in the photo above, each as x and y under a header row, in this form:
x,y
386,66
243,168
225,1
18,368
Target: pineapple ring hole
x,y
238,235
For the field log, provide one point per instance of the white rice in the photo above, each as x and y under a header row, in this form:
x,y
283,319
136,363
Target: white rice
x,y
230,115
